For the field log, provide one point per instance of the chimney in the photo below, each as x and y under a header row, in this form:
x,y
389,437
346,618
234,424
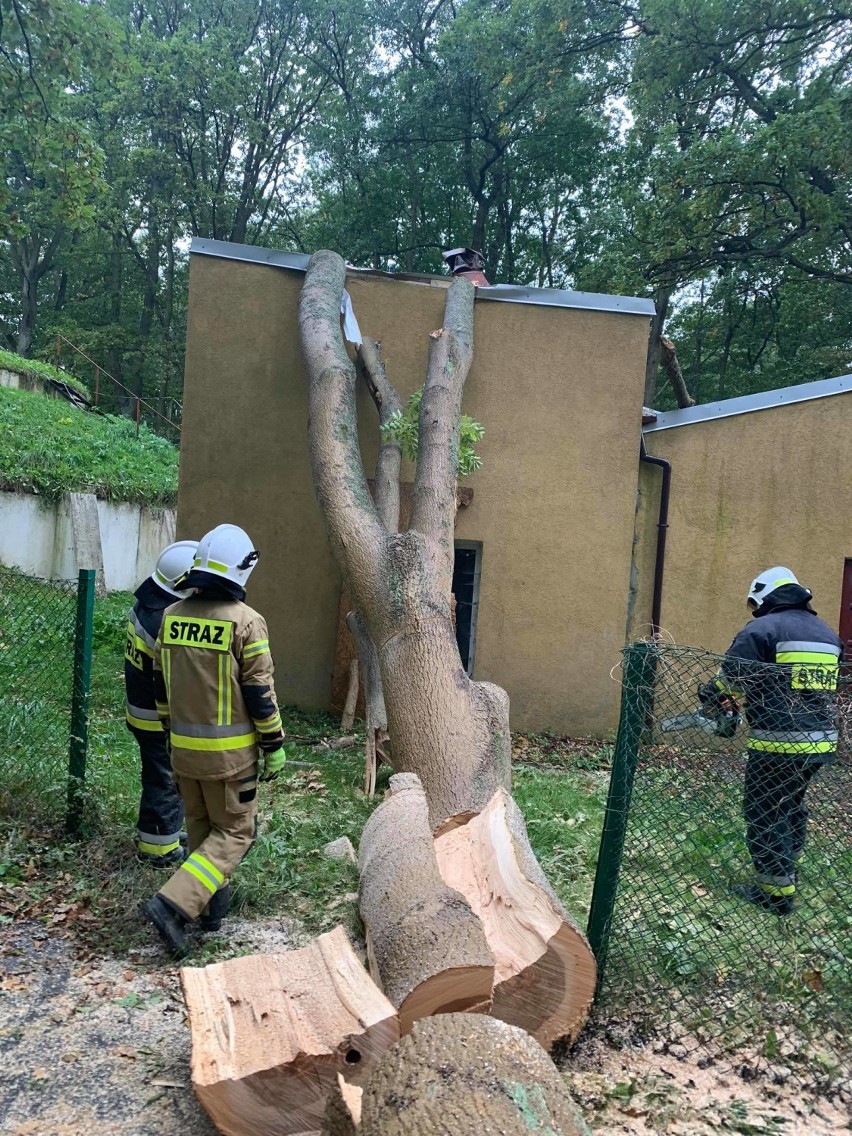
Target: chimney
x,y
468,263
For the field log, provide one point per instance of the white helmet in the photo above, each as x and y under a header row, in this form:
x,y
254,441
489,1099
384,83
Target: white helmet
x,y
767,582
226,551
173,563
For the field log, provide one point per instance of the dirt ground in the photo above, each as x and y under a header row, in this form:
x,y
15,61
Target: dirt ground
x,y
101,1044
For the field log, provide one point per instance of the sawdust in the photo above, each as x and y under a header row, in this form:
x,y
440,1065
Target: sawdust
x,y
101,1044
636,1092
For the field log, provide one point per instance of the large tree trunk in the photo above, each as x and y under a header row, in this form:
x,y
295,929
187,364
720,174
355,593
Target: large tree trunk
x,y
427,949
460,1074
452,732
545,973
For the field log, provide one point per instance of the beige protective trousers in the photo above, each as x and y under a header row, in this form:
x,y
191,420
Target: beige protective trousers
x,y
221,819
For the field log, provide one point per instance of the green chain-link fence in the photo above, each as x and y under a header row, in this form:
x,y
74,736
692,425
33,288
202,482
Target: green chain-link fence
x,y
45,668
692,816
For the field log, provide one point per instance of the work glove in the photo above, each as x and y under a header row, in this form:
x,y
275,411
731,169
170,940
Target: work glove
x,y
273,763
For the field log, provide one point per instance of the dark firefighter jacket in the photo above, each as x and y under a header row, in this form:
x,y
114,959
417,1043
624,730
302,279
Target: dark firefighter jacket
x,y
784,664
143,626
213,673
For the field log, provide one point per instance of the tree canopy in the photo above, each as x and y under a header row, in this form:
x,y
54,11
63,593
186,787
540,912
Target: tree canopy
x,y
694,151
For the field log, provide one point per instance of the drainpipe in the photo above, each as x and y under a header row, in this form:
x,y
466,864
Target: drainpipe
x,y
662,527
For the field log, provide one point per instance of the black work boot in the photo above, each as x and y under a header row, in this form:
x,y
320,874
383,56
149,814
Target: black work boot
x,y
754,894
171,859
170,923
217,909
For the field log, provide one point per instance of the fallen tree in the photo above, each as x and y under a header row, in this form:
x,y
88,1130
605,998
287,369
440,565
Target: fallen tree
x,y
426,947
451,731
458,912
454,1074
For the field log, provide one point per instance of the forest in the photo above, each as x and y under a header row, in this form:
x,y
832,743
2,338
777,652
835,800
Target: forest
x,y
696,152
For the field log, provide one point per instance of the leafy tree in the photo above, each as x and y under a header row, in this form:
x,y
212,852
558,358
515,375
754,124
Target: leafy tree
x,y
50,164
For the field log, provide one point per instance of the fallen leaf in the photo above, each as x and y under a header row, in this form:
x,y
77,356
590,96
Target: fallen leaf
x,y
124,1051
813,980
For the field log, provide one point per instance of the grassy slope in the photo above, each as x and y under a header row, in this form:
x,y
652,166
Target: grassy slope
x,y
49,447
33,369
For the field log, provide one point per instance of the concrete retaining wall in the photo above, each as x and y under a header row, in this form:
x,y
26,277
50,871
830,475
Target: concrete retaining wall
x,y
53,541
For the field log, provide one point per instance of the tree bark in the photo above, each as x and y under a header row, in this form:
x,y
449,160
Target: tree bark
x,y
452,732
545,973
669,360
661,308
271,1033
426,948
461,1073
347,718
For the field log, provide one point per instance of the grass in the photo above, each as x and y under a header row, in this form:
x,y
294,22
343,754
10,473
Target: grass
x,y
561,788
50,448
734,974
686,957
39,372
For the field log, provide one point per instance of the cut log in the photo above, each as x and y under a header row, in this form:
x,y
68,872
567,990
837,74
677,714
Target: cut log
x,y
463,1074
343,1111
426,948
270,1033
545,971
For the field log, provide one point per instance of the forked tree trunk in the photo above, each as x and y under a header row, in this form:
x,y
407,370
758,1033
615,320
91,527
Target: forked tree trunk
x,y
459,1074
452,732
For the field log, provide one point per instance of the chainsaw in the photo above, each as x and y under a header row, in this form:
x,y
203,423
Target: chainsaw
x,y
719,714
721,723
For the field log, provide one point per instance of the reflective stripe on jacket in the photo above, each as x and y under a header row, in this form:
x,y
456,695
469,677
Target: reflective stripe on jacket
x,y
143,625
785,665
216,691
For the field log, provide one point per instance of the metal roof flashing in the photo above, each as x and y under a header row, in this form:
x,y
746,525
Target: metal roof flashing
x,y
505,293
747,404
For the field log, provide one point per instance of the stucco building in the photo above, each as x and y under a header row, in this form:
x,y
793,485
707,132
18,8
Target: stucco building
x,y
557,547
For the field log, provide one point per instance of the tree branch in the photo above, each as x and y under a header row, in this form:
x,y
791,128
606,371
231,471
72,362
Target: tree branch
x,y
450,354
354,528
389,460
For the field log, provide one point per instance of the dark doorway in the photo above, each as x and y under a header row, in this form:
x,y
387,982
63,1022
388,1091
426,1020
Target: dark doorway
x,y
846,611
466,572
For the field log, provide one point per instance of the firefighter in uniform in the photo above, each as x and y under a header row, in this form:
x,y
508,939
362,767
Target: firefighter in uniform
x,y
791,711
158,830
217,703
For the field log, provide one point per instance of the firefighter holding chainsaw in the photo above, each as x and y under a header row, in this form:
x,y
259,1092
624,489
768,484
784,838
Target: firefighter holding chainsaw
x,y
784,665
216,700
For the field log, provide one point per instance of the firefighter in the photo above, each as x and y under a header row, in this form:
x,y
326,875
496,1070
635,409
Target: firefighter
x,y
216,700
791,710
158,830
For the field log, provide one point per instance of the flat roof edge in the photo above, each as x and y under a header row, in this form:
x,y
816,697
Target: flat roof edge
x,y
507,293
747,404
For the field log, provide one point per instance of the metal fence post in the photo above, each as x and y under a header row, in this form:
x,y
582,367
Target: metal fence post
x,y
81,683
636,700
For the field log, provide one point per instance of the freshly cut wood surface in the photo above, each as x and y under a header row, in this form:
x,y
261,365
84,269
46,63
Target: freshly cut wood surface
x,y
464,1075
427,950
270,1033
545,972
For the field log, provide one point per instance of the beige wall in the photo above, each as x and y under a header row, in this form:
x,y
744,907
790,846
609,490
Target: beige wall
x,y
748,492
559,391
